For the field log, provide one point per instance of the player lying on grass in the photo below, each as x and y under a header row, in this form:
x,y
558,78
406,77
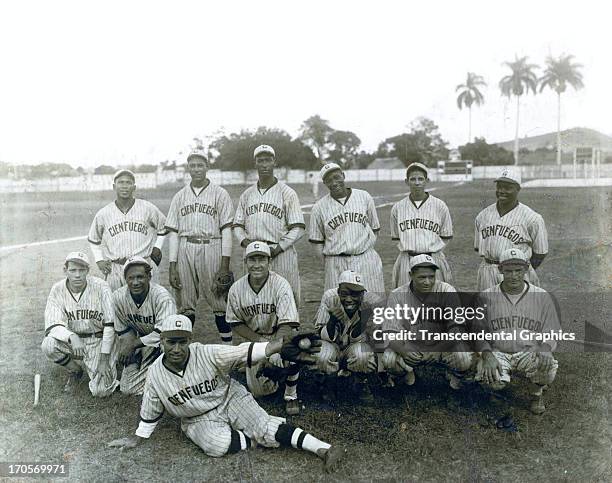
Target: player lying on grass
x,y
79,331
261,307
217,413
140,306
524,312
425,291
343,320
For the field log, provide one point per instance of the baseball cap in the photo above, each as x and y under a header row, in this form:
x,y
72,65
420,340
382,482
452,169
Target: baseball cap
x,y
422,261
513,255
176,323
122,172
328,168
510,175
264,148
199,153
78,257
419,166
134,261
353,279
257,247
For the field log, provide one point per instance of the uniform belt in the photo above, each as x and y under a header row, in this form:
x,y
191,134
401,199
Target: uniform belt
x,y
348,254
97,335
491,262
414,254
200,240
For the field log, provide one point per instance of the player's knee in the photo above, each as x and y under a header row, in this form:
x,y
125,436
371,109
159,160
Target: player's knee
x,y
390,362
462,361
48,346
215,447
362,358
128,386
327,358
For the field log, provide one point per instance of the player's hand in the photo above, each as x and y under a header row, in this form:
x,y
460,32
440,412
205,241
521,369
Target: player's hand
x,y
245,243
78,347
156,255
291,350
125,443
104,266
276,360
104,369
403,364
491,368
275,251
372,364
338,313
546,361
126,348
175,280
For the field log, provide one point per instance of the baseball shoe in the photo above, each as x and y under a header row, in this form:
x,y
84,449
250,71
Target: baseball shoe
x,y
292,407
453,381
409,378
74,379
537,406
332,458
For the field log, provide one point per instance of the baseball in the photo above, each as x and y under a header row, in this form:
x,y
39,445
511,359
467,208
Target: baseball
x,y
305,343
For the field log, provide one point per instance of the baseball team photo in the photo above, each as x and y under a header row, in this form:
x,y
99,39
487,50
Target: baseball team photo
x,y
305,242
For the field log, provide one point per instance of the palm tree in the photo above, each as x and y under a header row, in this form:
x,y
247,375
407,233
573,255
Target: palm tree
x,y
470,95
558,74
516,84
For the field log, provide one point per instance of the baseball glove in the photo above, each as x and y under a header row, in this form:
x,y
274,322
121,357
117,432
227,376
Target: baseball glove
x,y
222,282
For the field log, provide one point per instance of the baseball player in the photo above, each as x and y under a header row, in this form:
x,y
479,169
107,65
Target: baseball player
x,y
343,227
79,331
199,222
140,306
508,224
424,290
127,227
522,312
260,307
421,223
191,381
342,320
270,211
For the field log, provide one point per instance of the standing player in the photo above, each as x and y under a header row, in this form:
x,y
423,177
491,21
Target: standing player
x,y
270,211
79,327
200,222
421,223
260,306
191,381
432,296
127,227
508,224
343,320
343,226
140,306
524,313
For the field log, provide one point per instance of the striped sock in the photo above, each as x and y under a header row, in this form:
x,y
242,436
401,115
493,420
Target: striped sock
x,y
225,330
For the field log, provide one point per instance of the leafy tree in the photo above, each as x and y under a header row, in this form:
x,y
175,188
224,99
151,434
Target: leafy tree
x,y
469,94
344,147
236,150
315,133
560,73
484,154
105,169
519,82
145,168
423,144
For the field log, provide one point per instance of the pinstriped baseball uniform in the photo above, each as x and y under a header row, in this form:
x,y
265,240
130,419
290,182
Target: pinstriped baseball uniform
x,y
200,213
520,228
123,235
347,231
268,216
423,351
264,312
86,314
349,342
420,228
209,403
533,312
143,321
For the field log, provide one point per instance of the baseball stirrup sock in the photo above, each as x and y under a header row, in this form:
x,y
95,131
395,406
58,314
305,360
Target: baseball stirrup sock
x,y
288,435
293,374
239,441
225,330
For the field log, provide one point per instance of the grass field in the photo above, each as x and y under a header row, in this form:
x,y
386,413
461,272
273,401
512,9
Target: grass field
x,y
426,432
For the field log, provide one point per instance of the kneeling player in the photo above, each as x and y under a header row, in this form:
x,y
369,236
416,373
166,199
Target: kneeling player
x,y
342,321
429,297
140,306
217,413
522,312
79,327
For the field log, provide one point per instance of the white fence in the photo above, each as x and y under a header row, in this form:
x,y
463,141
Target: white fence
x,y
291,176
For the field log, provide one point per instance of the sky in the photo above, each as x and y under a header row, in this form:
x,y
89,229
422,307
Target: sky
x,y
122,82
